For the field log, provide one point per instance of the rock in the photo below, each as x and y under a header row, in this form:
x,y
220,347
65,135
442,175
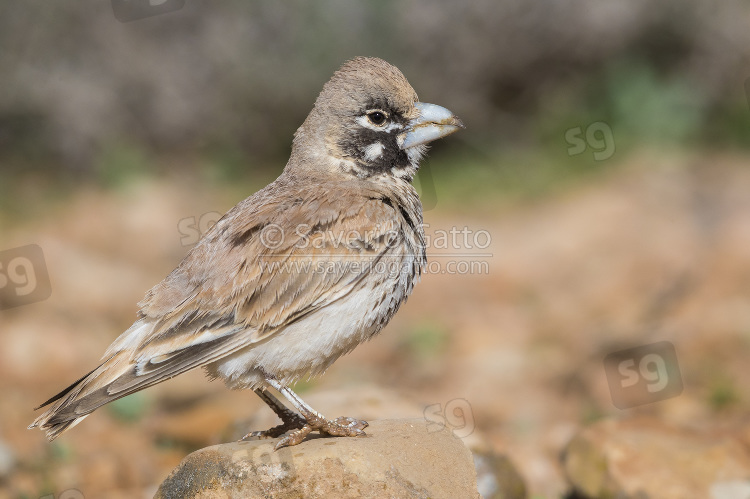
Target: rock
x,y
646,459
497,477
397,459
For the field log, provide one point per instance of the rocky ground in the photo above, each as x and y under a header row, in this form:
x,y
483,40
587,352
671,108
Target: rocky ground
x,y
399,459
511,356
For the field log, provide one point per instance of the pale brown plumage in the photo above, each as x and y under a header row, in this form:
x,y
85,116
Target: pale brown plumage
x,y
297,274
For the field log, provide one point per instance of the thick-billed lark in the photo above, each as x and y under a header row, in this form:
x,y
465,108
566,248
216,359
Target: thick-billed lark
x,y
297,274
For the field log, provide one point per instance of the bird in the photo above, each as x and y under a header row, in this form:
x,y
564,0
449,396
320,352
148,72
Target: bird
x,y
296,275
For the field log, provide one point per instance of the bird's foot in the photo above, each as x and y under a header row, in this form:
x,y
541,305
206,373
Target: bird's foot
x,y
339,427
291,421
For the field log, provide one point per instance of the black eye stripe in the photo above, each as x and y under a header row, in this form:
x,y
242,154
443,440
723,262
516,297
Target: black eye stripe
x,y
392,114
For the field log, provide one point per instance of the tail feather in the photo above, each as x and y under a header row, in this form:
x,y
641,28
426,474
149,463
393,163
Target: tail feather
x,y
54,431
66,409
64,392
119,376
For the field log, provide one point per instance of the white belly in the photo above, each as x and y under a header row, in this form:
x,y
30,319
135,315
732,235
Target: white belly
x,y
310,345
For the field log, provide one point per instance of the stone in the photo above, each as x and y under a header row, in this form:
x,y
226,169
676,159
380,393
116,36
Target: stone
x,y
643,458
397,459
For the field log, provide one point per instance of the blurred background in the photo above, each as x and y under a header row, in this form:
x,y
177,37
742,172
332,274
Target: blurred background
x,y
602,180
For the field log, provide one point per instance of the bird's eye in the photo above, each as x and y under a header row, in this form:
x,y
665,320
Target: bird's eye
x,y
376,117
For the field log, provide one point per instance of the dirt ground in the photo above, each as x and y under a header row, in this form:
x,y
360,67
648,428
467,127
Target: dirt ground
x,y
653,249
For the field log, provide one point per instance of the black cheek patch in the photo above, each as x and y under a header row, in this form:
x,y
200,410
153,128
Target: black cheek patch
x,y
392,156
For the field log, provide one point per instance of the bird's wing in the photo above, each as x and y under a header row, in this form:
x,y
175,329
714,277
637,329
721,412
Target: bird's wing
x,y
263,266
260,271
257,272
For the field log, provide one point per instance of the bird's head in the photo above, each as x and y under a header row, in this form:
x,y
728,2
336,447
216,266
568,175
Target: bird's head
x,y
368,122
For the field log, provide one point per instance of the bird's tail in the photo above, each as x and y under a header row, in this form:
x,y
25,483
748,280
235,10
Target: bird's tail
x,y
122,372
73,404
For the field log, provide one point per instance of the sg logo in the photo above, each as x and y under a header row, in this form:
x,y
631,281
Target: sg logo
x,y
191,230
23,277
456,415
642,375
598,136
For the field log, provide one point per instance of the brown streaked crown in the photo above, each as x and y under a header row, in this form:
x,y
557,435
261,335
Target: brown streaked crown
x,y
362,80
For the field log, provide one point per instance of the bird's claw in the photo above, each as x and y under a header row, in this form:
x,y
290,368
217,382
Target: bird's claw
x,y
339,427
291,422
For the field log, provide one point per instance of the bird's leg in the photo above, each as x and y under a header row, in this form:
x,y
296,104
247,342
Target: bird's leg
x,y
290,419
340,427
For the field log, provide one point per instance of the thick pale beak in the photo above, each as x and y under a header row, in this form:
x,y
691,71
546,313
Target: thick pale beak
x,y
432,123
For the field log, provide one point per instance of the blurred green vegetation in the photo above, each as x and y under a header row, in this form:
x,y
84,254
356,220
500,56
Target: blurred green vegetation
x,y
121,163
723,393
426,342
131,408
